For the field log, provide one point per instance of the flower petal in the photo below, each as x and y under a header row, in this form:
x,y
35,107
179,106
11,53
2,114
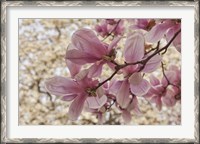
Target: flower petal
x,y
86,41
138,85
134,106
152,64
81,75
169,98
114,43
154,80
123,94
79,57
61,86
134,47
157,100
114,86
76,107
95,70
100,92
157,32
73,68
96,102
126,115
171,76
177,41
157,90
135,78
69,97
100,118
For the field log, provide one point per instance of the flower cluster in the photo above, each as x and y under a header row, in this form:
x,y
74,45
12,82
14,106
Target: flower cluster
x,y
143,53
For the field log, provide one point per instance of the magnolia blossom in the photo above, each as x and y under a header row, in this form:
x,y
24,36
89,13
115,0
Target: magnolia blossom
x,y
77,91
161,92
134,52
110,26
87,48
166,28
144,24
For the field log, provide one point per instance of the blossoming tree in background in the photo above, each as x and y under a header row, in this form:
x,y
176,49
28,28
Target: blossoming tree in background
x,y
144,43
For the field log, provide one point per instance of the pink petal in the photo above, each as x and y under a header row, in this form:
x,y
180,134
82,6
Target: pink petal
x,y
134,106
100,118
76,107
126,115
143,23
100,92
95,70
79,57
154,80
152,64
157,90
86,41
134,47
157,100
120,28
98,28
96,102
171,76
61,86
69,97
115,86
177,72
135,78
73,68
114,43
177,40
169,98
81,75
130,69
138,85
157,32
123,94
140,24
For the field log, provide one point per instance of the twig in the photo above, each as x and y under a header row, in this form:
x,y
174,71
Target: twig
x,y
163,71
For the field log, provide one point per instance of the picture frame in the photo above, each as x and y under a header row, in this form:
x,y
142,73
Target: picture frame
x,y
5,73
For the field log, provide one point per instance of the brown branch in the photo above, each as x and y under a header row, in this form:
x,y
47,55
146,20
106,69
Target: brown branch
x,y
163,71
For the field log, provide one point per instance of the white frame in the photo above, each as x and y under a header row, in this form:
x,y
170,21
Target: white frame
x,y
7,124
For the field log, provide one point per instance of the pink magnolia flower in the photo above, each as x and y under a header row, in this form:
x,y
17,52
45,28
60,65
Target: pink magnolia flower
x,y
79,91
163,93
87,48
125,105
109,26
174,76
144,24
132,106
168,28
134,52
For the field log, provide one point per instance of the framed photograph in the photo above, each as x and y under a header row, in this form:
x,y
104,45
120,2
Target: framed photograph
x,y
99,71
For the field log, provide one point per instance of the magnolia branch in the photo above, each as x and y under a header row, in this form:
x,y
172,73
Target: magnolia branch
x,y
163,71
143,62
